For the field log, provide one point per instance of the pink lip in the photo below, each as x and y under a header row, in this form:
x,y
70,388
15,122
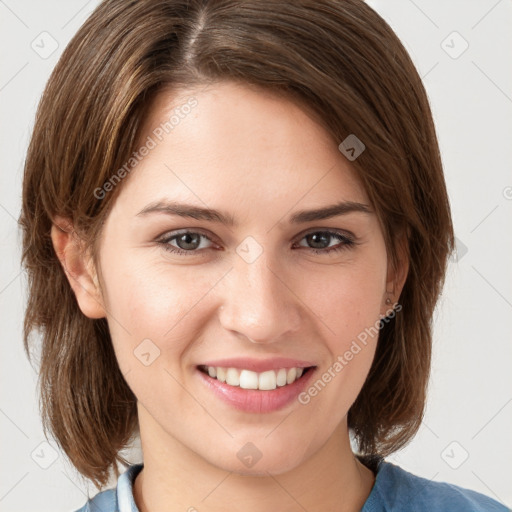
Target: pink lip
x,y
259,365
254,400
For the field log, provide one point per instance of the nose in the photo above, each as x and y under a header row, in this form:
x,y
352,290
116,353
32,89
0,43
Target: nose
x,y
259,301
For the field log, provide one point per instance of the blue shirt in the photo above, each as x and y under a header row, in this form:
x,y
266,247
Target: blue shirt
x,y
394,490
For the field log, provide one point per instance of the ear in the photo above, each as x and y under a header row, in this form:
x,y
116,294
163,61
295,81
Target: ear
x,y
396,275
78,267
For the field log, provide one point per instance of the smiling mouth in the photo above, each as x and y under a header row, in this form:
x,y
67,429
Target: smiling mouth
x,y
247,379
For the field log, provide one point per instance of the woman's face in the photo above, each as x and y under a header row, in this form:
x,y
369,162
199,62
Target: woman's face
x,y
271,293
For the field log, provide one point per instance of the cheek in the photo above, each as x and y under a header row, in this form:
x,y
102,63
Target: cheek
x,y
348,305
154,300
347,299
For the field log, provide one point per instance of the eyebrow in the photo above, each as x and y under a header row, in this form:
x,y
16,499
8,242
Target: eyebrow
x,y
211,215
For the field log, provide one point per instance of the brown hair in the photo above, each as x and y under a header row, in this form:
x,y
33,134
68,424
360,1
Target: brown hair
x,y
340,59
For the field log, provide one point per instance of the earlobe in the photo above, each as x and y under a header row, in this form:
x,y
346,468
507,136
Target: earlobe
x,y
78,268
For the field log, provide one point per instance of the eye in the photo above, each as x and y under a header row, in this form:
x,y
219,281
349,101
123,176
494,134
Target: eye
x,y
321,241
188,242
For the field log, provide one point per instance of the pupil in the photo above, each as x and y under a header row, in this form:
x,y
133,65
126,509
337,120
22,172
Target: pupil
x,y
320,238
185,239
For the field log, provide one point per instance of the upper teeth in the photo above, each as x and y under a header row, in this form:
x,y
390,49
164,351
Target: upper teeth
x,y
248,379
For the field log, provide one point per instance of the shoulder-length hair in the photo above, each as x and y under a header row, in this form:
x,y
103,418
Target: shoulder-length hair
x,y
340,60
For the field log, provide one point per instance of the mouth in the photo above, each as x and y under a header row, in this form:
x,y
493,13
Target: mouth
x,y
248,379
264,387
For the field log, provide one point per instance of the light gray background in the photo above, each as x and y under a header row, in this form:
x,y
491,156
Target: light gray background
x,y
465,438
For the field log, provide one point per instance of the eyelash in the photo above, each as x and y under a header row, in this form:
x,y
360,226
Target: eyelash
x,y
348,242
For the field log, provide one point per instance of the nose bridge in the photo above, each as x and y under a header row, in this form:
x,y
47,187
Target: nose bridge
x,y
258,303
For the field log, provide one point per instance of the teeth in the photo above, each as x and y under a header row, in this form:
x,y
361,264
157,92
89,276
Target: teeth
x,y
221,373
267,380
232,377
247,379
281,377
291,375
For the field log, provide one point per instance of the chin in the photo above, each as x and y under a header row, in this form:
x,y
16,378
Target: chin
x,y
260,458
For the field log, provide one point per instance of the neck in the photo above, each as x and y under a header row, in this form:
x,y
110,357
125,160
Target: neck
x,y
175,478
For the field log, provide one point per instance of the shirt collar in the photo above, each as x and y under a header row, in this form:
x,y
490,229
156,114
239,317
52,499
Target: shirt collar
x,y
125,500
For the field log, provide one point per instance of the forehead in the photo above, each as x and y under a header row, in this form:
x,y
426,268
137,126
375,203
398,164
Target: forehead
x,y
238,146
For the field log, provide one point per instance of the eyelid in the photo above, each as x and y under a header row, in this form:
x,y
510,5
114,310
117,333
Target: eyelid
x,y
170,234
347,240
175,232
341,232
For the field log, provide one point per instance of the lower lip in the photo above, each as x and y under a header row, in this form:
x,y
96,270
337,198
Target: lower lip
x,y
254,400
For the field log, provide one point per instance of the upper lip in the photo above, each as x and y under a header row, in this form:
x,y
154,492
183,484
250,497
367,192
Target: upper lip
x,y
259,365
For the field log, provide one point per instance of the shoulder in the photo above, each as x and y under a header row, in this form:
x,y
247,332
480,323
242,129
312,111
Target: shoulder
x,y
398,490
120,498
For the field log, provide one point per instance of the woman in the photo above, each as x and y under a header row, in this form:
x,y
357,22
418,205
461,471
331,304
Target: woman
x,y
236,228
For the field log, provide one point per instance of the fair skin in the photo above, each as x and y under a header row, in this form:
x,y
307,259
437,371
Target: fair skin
x,y
260,159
